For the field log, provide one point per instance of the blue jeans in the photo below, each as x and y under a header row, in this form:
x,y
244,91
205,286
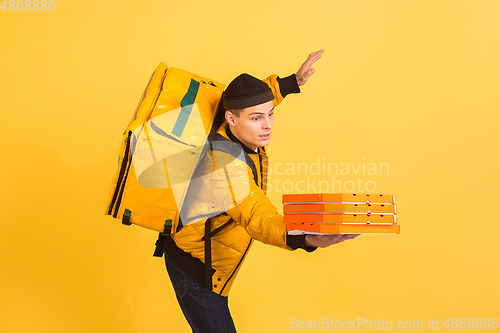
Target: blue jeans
x,y
205,311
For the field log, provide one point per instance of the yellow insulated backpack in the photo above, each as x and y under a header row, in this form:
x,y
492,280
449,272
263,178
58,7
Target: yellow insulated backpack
x,y
176,114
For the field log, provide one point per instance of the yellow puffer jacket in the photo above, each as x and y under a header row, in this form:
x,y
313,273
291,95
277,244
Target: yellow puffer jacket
x,y
253,215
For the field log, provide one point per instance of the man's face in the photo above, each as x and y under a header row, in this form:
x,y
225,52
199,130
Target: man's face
x,y
253,126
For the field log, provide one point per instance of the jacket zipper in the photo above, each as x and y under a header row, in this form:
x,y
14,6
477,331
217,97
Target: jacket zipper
x,y
261,173
236,268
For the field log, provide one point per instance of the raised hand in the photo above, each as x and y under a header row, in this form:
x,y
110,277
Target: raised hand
x,y
305,70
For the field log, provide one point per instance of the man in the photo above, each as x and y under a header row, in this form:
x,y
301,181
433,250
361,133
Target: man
x,y
227,203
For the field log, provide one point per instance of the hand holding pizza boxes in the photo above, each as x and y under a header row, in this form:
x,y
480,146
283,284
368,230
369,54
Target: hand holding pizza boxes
x,y
340,213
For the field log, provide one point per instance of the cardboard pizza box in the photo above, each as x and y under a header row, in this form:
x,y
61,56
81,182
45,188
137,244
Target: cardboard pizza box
x,y
339,198
341,218
322,228
340,208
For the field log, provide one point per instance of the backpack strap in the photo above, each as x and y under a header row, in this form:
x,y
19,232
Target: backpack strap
x,y
208,254
192,266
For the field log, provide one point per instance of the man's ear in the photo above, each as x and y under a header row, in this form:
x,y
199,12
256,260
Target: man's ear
x,y
230,118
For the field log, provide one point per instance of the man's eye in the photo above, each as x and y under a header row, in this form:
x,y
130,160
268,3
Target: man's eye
x,y
255,118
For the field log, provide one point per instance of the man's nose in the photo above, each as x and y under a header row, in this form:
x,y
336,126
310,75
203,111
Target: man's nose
x,y
267,123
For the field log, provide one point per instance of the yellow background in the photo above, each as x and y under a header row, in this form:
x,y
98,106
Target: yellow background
x,y
414,84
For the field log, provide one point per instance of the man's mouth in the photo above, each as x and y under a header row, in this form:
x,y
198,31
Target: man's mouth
x,y
265,136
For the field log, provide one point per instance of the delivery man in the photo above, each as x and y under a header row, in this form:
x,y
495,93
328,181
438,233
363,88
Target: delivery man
x,y
236,187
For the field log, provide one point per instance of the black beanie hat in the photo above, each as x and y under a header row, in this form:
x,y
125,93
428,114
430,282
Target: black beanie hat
x,y
245,91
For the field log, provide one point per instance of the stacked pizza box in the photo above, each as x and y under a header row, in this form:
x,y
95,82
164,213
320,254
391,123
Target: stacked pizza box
x,y
340,213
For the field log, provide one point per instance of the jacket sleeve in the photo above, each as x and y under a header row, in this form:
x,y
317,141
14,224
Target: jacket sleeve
x,y
262,221
253,210
281,87
260,218
233,190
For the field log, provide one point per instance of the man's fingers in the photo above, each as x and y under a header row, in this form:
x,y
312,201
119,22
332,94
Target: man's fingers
x,y
329,239
333,236
305,70
317,53
310,61
351,236
313,57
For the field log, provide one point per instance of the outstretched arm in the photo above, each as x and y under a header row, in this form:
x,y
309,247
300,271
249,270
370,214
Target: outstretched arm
x,y
305,71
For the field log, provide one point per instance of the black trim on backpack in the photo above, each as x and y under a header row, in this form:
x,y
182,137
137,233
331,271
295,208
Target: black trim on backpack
x,y
122,179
